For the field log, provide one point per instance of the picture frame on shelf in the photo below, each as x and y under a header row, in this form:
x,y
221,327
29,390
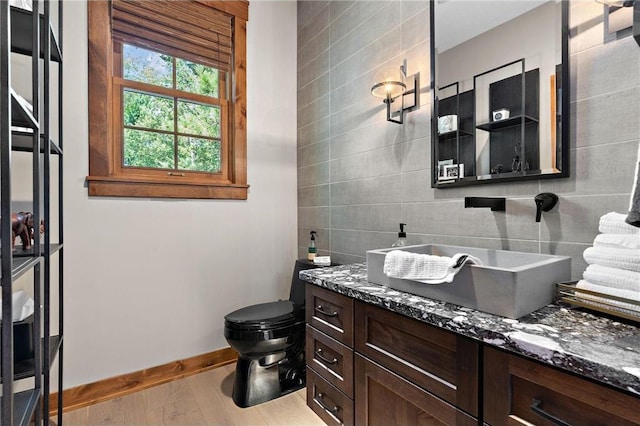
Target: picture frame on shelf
x,y
441,165
451,171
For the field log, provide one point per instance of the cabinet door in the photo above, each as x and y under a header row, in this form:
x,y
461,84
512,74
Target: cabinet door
x,y
330,359
383,398
439,361
331,313
518,391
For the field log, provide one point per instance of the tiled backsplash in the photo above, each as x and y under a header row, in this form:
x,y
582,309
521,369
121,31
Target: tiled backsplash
x,y
359,176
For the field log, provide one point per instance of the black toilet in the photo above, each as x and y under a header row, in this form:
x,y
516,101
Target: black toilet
x,y
269,339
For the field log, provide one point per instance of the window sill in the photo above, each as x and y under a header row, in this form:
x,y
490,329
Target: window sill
x,y
100,186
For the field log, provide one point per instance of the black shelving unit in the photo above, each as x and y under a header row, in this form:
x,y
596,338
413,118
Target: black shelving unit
x,y
457,145
514,141
27,128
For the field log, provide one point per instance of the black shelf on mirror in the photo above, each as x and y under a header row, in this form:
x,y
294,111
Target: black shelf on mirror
x,y
507,122
453,134
22,140
533,172
24,406
445,182
21,33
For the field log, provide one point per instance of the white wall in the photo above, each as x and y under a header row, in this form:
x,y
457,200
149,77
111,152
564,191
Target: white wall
x,y
149,281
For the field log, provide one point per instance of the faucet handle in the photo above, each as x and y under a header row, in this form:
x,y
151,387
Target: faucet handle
x,y
545,201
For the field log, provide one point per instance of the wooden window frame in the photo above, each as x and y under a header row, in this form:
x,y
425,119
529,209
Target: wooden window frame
x,y
106,174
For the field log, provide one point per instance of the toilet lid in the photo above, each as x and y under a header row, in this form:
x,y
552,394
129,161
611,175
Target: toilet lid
x,y
263,315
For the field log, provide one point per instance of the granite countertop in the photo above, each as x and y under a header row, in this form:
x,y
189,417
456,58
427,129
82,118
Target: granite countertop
x,y
596,347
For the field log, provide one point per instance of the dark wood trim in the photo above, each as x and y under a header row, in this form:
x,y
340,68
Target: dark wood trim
x,y
114,187
100,119
238,153
237,8
93,393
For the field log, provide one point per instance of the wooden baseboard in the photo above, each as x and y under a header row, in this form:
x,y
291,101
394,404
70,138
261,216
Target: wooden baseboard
x,y
92,393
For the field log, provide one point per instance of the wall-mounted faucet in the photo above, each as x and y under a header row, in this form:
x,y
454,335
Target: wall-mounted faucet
x,y
496,204
544,202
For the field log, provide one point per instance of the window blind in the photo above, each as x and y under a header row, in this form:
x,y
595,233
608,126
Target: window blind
x,y
185,29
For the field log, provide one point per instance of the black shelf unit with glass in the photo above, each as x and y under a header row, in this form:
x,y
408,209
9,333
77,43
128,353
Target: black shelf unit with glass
x,y
457,145
27,127
514,142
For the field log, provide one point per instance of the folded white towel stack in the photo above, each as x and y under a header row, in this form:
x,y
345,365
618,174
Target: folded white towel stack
x,y
613,277
425,268
614,223
614,265
614,258
621,241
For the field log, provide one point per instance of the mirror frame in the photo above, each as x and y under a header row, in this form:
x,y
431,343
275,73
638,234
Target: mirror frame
x,y
565,122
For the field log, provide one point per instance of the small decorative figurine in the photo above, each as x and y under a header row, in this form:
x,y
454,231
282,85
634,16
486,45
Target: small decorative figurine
x,y
22,226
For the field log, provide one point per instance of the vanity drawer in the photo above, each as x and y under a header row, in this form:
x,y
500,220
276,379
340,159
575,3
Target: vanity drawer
x,y
331,313
438,361
523,392
330,359
334,407
384,398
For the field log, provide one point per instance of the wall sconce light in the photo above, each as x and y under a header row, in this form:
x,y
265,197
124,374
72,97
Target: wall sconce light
x,y
619,20
403,90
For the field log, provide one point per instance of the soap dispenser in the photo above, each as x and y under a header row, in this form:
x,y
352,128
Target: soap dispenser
x,y
402,237
311,254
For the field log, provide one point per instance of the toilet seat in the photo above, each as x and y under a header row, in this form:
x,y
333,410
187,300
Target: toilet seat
x,y
264,316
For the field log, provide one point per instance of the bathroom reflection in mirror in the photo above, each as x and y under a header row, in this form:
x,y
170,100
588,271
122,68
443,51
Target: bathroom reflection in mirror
x,y
500,90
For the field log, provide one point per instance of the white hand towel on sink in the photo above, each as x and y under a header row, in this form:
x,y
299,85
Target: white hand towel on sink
x,y
425,268
613,277
614,258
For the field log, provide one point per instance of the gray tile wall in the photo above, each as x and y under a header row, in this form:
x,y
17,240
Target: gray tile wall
x,y
359,176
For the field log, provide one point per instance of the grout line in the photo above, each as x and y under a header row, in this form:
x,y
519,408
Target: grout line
x,y
604,144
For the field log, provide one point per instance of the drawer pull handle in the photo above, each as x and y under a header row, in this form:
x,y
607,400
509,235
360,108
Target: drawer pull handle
x,y
320,310
333,410
536,407
325,360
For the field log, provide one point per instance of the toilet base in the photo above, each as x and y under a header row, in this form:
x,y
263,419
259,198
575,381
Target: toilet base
x,y
261,380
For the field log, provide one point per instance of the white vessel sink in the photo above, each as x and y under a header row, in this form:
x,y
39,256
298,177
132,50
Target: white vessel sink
x,y
509,283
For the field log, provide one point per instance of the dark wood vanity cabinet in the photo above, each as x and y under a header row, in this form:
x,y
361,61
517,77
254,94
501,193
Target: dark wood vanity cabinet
x,y
519,391
438,361
384,398
329,355
371,366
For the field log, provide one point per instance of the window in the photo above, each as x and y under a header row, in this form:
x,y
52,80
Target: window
x,y
167,99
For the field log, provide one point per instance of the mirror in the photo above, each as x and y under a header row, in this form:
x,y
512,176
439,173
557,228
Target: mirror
x,y
500,79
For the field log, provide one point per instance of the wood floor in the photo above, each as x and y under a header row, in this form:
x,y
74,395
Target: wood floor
x,y
202,399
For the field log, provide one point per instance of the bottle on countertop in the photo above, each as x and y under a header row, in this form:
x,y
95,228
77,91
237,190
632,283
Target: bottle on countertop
x,y
402,237
311,253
